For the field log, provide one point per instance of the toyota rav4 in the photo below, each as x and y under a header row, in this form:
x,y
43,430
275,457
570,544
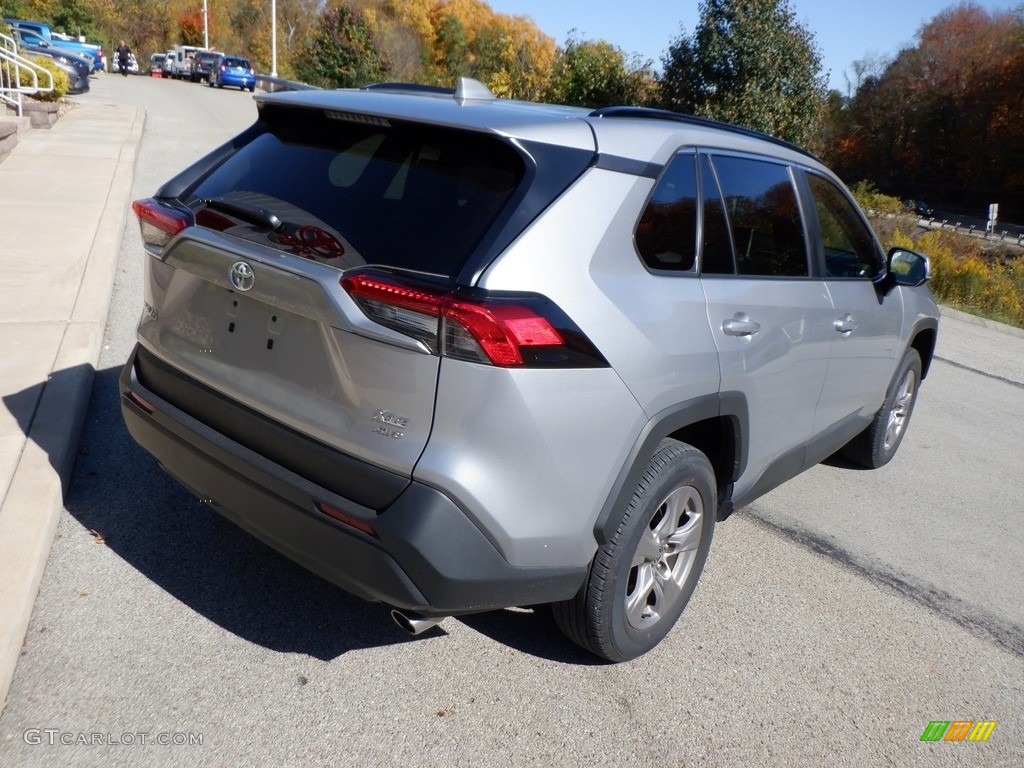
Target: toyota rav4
x,y
456,353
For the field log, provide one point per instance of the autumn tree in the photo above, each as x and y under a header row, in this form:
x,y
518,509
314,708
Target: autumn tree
x,y
342,53
512,57
403,31
944,120
751,63
594,73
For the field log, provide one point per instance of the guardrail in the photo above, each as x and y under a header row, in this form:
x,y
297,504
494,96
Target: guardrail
x,y
973,230
12,66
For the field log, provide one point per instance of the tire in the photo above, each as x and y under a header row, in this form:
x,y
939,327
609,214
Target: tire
x,y
876,445
252,89
642,578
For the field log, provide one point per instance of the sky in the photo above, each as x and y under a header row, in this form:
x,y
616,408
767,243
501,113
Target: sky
x,y
844,30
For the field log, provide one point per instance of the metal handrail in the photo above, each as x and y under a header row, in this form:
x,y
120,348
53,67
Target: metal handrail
x,y
12,65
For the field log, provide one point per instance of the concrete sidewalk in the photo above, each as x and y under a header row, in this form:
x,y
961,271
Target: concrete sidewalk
x,y
64,198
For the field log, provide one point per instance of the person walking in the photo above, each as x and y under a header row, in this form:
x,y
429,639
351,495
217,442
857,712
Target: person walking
x,y
123,54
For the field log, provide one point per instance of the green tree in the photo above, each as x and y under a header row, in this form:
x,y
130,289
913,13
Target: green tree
x,y
342,52
594,73
749,62
451,49
74,18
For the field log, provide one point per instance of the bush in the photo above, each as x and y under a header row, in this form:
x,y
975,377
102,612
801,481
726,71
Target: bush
x,y
60,79
870,199
964,277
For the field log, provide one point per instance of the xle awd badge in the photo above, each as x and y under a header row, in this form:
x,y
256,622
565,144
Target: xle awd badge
x,y
242,276
391,424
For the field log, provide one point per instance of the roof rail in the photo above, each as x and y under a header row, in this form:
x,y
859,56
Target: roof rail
x,y
408,88
679,117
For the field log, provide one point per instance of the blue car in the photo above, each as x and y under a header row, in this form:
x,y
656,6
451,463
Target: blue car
x,y
232,70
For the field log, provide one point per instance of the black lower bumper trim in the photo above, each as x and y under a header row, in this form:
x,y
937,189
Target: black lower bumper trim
x,y
428,555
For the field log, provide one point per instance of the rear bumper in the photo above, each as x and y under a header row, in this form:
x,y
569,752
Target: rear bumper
x,y
427,555
237,82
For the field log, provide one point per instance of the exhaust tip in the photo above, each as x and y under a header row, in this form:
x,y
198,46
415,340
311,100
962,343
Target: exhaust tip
x,y
415,623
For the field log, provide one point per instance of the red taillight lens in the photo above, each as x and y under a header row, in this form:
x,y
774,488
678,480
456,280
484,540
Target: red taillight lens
x,y
500,329
503,331
159,223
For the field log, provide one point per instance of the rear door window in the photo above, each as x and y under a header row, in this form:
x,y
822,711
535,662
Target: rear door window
x,y
762,208
350,191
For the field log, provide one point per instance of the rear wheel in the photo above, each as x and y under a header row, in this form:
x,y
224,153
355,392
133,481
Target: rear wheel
x,y
642,578
876,445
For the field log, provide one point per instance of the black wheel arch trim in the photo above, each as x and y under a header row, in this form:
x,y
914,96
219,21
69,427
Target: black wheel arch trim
x,y
731,406
929,326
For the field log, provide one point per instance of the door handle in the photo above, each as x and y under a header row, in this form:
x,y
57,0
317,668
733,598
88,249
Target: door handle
x,y
845,323
741,325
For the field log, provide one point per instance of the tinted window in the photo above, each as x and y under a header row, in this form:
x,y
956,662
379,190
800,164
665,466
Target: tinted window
x,y
244,63
761,203
850,249
409,196
666,235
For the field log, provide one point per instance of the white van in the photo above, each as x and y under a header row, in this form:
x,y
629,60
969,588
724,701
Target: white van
x,y
179,61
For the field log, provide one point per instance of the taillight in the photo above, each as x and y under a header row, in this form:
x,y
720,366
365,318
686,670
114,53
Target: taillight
x,y
159,222
506,330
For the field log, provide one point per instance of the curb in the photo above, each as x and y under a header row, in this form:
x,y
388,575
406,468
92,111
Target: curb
x,y
35,499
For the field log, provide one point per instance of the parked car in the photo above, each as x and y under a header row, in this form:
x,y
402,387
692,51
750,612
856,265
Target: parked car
x,y
39,33
94,50
26,38
156,64
469,353
77,68
133,65
232,71
201,65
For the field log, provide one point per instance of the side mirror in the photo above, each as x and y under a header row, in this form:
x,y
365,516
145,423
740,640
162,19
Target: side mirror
x,y
908,267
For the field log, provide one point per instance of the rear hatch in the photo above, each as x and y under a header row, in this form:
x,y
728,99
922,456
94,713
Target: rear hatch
x,y
272,283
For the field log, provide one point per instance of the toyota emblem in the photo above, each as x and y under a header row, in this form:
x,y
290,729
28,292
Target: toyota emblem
x,y
242,276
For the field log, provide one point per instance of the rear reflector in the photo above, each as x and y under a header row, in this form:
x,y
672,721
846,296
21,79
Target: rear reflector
x,y
347,519
140,402
505,330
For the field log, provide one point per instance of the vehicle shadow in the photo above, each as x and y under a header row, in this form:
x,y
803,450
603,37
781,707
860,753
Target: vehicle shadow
x,y
186,548
229,577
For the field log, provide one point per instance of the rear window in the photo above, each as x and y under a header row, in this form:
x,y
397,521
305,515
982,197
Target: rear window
x,y
349,193
244,63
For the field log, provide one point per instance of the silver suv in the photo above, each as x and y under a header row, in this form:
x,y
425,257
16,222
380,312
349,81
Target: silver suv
x,y
456,353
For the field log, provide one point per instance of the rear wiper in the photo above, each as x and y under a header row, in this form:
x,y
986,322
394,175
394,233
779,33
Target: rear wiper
x,y
251,213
